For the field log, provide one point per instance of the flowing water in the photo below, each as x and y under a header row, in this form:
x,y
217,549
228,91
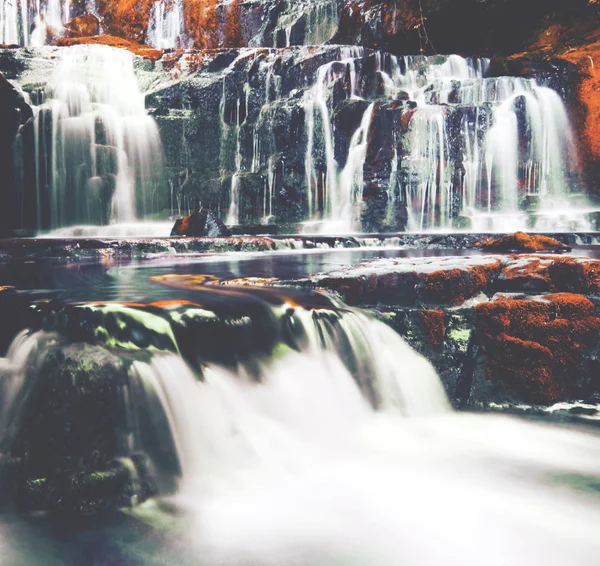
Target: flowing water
x,y
99,153
303,432
473,145
165,27
25,22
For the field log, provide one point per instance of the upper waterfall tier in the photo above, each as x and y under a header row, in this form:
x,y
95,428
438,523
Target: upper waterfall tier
x,y
351,138
366,140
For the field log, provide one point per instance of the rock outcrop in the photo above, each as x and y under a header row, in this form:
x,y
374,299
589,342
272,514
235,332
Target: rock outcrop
x,y
200,223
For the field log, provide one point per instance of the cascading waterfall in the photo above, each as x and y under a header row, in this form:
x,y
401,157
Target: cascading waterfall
x,y
336,201
99,154
305,455
307,23
166,24
475,147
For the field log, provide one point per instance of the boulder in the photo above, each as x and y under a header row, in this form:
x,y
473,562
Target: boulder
x,y
538,348
521,242
201,223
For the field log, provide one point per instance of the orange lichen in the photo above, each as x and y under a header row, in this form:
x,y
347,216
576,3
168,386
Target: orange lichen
x,y
202,21
141,50
233,25
568,274
535,347
522,242
83,26
126,18
433,323
454,286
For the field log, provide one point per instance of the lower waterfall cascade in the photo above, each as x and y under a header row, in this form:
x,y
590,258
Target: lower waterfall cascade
x,y
318,447
299,282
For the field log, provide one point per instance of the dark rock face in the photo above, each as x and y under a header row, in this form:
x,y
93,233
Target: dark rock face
x,y
70,446
201,223
15,114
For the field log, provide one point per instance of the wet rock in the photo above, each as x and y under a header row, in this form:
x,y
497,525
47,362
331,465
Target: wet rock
x,y
200,223
521,242
537,349
550,273
83,26
71,432
448,281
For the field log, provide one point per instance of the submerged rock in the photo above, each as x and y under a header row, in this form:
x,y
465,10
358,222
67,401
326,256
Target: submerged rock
x,y
201,223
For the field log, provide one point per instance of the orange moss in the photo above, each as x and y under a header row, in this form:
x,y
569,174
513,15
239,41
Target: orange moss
x,y
535,348
233,26
126,18
522,242
433,323
141,50
454,286
202,21
568,274
83,26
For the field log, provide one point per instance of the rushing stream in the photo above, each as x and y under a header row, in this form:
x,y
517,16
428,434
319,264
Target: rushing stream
x,y
281,427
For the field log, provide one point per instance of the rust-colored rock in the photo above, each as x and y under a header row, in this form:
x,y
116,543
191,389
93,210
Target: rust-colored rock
x,y
522,242
126,18
433,324
202,21
112,41
552,273
535,348
454,286
83,26
202,222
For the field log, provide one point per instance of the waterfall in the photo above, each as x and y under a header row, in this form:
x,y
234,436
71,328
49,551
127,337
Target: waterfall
x,y
334,443
337,363
100,155
306,23
166,24
23,22
336,202
474,146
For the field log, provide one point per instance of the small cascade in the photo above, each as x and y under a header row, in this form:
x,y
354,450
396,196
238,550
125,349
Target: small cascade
x,y
310,431
166,25
335,188
99,153
178,410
